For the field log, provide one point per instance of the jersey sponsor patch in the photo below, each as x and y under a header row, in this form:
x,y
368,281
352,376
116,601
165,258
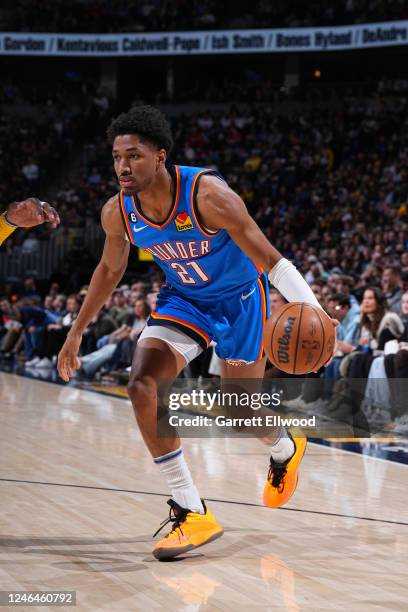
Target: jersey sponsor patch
x,y
183,222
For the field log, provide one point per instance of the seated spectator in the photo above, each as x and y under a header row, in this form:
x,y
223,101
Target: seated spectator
x,y
53,335
7,313
276,299
378,323
327,291
117,349
315,271
152,300
58,305
124,353
391,286
348,331
10,326
348,334
345,284
101,325
92,362
404,316
141,312
317,287
35,319
120,311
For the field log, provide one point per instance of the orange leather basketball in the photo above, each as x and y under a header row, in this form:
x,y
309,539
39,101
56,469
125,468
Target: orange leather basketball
x,y
299,338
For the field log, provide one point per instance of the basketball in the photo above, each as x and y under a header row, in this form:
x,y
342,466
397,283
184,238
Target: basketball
x,y
299,338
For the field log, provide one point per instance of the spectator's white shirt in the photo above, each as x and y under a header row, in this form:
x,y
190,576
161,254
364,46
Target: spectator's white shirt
x,y
68,319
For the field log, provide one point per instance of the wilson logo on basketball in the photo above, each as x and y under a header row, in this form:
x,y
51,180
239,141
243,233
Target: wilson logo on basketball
x,y
183,222
284,340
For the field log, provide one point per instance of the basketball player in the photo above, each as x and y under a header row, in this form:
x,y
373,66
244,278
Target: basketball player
x,y
27,213
214,256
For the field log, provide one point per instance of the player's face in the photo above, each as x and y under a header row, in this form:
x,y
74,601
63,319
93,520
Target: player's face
x,y
136,162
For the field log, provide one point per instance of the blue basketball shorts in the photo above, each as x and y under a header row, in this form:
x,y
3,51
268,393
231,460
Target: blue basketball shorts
x,y
235,322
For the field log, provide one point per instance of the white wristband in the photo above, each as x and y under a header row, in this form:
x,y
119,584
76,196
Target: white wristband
x,y
291,284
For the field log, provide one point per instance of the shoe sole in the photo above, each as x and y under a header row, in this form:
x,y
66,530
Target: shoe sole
x,y
169,553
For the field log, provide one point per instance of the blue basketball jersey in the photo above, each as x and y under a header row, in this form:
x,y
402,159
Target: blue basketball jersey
x,y
200,264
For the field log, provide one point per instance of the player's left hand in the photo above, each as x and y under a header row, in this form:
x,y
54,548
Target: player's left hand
x,y
32,212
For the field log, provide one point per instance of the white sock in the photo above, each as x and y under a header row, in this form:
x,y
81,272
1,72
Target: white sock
x,y
283,448
174,468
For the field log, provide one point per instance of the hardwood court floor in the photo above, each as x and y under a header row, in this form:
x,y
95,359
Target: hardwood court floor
x,y
80,499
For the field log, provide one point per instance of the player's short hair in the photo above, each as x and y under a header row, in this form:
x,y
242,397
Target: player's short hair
x,y
147,122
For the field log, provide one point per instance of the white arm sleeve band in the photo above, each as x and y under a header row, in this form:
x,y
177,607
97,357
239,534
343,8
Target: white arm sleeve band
x,y
291,283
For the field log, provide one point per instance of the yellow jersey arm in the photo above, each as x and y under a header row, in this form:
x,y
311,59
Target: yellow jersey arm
x,y
6,228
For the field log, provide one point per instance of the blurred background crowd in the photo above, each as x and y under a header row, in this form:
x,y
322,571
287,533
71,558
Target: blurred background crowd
x,y
321,163
155,15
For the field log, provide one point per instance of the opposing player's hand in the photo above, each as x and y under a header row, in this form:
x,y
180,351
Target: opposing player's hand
x,y
32,212
68,360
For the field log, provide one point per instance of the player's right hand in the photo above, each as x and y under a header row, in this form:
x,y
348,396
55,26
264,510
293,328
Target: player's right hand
x,y
68,360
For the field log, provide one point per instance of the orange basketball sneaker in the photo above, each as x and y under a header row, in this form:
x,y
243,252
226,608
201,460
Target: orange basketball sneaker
x,y
190,530
283,477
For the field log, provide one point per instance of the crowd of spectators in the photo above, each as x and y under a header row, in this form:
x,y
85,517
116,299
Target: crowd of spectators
x,y
328,186
365,384
40,132
33,328
372,340
155,15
